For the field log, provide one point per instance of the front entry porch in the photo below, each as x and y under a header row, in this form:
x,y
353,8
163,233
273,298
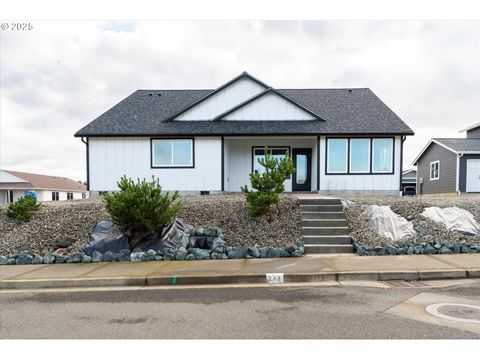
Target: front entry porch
x,y
241,156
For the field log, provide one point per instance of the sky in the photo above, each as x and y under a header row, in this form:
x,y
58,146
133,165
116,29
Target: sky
x,y
59,76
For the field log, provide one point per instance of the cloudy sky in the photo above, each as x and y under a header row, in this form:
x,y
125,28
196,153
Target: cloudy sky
x,y
59,76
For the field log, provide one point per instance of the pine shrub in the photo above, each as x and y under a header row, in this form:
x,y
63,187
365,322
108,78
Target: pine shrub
x,y
140,208
267,186
23,208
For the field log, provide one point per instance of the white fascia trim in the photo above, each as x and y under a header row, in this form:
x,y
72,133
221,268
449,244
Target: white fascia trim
x,y
471,127
414,163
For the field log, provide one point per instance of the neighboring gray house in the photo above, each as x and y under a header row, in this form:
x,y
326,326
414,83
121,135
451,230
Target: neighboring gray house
x,y
211,140
409,178
450,165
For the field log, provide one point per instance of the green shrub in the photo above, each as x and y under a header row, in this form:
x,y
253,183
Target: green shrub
x,y
268,185
23,208
141,208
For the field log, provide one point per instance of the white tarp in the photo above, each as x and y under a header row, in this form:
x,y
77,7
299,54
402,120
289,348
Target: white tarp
x,y
454,219
383,220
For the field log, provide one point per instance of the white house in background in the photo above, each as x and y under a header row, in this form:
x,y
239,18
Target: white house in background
x,y
14,184
210,140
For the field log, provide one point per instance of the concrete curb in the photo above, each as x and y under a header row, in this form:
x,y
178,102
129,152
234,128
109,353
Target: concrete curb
x,y
407,275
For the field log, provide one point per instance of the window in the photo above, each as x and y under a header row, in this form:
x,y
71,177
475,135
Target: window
x,y
69,196
382,155
172,153
435,170
359,155
259,153
84,195
337,150
10,196
54,195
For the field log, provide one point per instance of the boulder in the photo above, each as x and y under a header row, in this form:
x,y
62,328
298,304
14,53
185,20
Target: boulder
x,y
11,261
445,250
297,253
200,254
385,222
60,259
124,255
291,249
263,252
418,250
180,254
277,253
200,231
86,259
110,256
48,258
238,252
190,257
219,245
3,260
97,256
75,258
254,251
158,257
37,260
137,256
24,259
429,250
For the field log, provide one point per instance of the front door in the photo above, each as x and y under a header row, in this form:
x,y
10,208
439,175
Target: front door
x,y
302,177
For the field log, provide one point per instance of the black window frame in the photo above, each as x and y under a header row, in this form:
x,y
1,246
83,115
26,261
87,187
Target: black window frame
x,y
270,147
370,172
69,195
152,166
55,196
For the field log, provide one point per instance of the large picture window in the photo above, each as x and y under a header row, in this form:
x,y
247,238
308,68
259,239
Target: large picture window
x,y
337,155
259,153
172,152
360,155
382,155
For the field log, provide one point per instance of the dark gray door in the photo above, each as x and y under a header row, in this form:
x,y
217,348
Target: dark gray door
x,y
302,178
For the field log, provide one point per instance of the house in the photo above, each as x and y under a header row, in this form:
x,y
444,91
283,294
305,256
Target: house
x,y
211,140
450,165
14,184
409,178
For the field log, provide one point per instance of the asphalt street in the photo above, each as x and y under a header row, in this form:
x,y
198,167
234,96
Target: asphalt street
x,y
261,312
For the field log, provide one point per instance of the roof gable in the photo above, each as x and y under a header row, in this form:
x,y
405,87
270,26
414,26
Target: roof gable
x,y
48,182
234,92
268,105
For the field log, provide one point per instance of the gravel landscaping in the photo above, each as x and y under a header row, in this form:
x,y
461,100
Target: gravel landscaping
x,y
67,224
429,233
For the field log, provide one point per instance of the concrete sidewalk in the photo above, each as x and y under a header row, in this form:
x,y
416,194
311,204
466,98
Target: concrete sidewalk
x,y
305,269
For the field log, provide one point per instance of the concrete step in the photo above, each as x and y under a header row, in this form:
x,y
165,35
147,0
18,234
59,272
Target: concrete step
x,y
327,240
322,215
320,202
328,249
324,222
321,208
325,230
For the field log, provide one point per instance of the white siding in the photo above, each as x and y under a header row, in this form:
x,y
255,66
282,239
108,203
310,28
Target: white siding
x,y
238,158
269,107
360,182
112,157
224,100
8,178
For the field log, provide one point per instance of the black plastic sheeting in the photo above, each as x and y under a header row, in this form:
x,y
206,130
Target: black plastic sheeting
x,y
103,240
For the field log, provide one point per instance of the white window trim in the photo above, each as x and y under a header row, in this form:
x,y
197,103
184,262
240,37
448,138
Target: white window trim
x,y
329,171
392,152
369,156
438,170
192,151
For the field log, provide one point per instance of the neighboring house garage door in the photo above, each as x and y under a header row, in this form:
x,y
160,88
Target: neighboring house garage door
x,y
473,175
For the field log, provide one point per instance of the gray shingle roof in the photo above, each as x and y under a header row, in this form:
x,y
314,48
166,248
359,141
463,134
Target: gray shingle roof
x,y
345,111
460,145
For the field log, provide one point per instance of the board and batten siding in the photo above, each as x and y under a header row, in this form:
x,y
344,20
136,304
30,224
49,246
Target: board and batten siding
x,y
112,157
238,158
269,107
225,99
381,183
447,175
